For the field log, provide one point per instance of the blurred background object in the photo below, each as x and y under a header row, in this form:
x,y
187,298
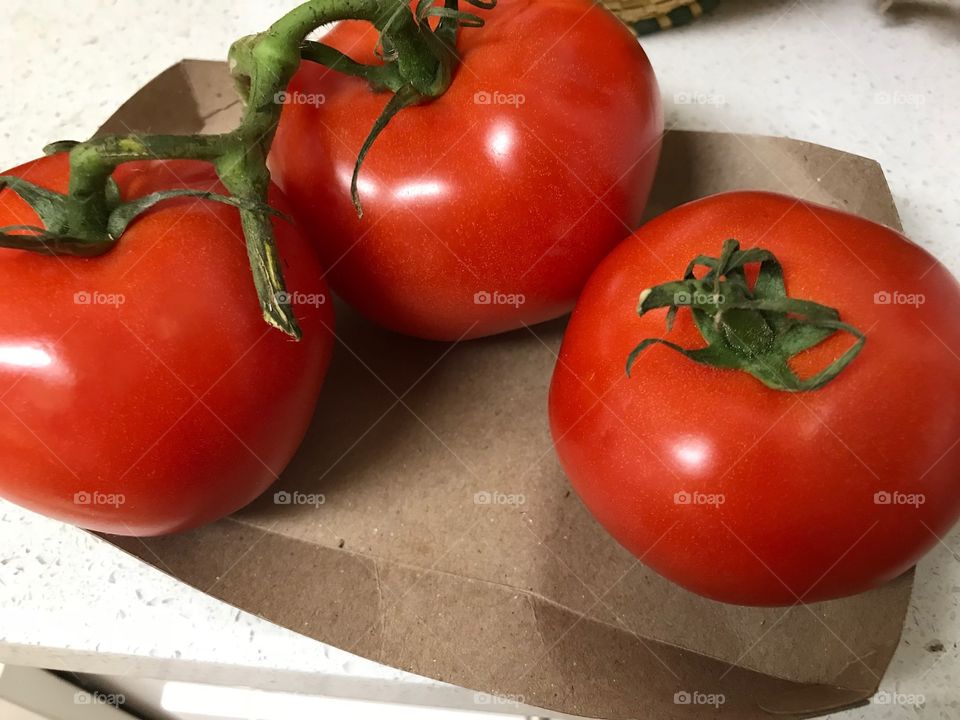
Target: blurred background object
x,y
649,16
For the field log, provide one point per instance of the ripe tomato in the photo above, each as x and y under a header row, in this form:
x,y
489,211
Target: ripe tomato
x,y
748,494
487,208
141,393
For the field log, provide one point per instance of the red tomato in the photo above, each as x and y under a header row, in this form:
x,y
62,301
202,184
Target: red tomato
x,y
487,208
141,392
752,495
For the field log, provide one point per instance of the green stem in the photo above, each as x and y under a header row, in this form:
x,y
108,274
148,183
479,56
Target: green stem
x,y
757,329
34,239
245,175
379,76
262,66
92,164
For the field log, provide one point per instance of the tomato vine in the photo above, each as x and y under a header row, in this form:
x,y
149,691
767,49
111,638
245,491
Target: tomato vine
x,y
419,61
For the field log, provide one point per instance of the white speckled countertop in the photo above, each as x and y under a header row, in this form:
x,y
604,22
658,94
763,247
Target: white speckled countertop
x,y
836,73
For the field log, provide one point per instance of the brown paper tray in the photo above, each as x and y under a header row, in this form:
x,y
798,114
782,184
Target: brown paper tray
x,y
532,601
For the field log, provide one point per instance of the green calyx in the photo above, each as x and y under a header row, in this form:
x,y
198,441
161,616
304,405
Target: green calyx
x,y
55,237
757,329
418,66
53,210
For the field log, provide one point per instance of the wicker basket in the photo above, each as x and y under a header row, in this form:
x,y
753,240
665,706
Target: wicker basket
x,y
649,16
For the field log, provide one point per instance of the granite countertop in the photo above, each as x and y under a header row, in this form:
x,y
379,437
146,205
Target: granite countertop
x,y
839,74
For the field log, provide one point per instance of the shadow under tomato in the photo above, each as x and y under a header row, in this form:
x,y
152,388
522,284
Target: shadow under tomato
x,y
365,408
399,417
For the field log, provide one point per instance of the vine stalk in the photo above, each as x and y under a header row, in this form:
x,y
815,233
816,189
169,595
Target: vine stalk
x,y
419,67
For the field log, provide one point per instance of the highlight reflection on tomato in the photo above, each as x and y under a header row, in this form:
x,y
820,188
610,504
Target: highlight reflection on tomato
x,y
487,208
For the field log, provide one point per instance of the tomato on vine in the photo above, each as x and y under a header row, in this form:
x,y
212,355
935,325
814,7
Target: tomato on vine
x,y
140,391
487,208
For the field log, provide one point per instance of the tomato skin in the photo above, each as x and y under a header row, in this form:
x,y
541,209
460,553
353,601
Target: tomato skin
x,y
147,378
462,198
799,474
